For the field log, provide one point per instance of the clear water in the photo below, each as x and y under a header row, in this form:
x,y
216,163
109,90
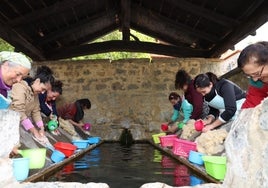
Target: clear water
x,y
131,167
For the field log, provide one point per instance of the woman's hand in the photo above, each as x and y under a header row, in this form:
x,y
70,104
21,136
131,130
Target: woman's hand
x,y
42,132
207,128
211,126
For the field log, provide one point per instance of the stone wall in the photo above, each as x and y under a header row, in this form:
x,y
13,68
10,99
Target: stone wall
x,y
132,89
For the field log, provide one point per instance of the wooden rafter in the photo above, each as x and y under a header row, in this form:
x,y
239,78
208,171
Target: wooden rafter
x,y
125,19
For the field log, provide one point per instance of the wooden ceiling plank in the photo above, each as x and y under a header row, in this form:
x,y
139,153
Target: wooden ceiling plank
x,y
125,18
254,21
56,8
205,13
129,46
166,26
104,18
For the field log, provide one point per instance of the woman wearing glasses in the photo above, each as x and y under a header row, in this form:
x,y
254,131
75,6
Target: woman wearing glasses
x,y
224,99
253,60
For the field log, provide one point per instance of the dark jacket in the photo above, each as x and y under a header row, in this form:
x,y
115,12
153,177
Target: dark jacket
x,y
230,93
43,106
196,99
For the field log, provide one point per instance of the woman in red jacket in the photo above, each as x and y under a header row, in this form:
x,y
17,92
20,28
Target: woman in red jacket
x,y
185,82
253,60
74,112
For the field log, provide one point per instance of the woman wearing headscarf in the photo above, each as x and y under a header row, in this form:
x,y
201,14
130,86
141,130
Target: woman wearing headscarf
x,y
13,68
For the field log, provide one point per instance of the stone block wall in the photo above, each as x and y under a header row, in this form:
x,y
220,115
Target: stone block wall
x,y
132,89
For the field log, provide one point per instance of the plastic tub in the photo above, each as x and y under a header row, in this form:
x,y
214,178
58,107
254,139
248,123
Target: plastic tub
x,y
37,157
167,141
93,140
80,144
196,157
164,126
156,137
57,156
52,125
21,168
215,166
66,148
86,126
198,125
183,147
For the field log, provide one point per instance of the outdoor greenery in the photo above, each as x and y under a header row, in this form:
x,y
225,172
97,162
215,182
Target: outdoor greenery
x,y
4,46
116,35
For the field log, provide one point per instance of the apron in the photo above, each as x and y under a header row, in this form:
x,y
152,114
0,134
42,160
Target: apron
x,y
218,103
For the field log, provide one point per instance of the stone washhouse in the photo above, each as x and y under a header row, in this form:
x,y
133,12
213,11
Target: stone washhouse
x,y
246,150
245,145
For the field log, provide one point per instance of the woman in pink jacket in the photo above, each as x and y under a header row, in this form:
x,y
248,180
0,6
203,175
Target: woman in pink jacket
x,y
24,96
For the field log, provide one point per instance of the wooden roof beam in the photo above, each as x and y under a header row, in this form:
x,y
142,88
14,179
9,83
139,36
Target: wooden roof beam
x,y
20,43
129,46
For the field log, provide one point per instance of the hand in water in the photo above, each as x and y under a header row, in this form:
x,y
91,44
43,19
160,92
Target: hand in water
x,y
207,128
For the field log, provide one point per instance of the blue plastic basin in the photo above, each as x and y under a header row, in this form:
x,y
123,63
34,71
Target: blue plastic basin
x,y
80,144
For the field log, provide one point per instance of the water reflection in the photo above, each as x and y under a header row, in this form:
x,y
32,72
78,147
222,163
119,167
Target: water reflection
x,y
195,180
134,166
157,156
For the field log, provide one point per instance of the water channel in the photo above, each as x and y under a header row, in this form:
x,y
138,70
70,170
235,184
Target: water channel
x,y
127,166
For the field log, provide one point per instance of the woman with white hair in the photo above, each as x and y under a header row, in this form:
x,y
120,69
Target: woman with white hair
x,y
13,67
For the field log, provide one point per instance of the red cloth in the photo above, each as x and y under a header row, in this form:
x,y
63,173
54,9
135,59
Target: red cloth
x,y
255,95
67,111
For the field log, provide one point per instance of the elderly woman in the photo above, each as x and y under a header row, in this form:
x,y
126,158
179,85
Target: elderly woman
x,y
223,96
13,67
253,60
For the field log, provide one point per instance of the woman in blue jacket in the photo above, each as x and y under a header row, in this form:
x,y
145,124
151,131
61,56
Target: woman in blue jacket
x,y
223,96
179,103
47,100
